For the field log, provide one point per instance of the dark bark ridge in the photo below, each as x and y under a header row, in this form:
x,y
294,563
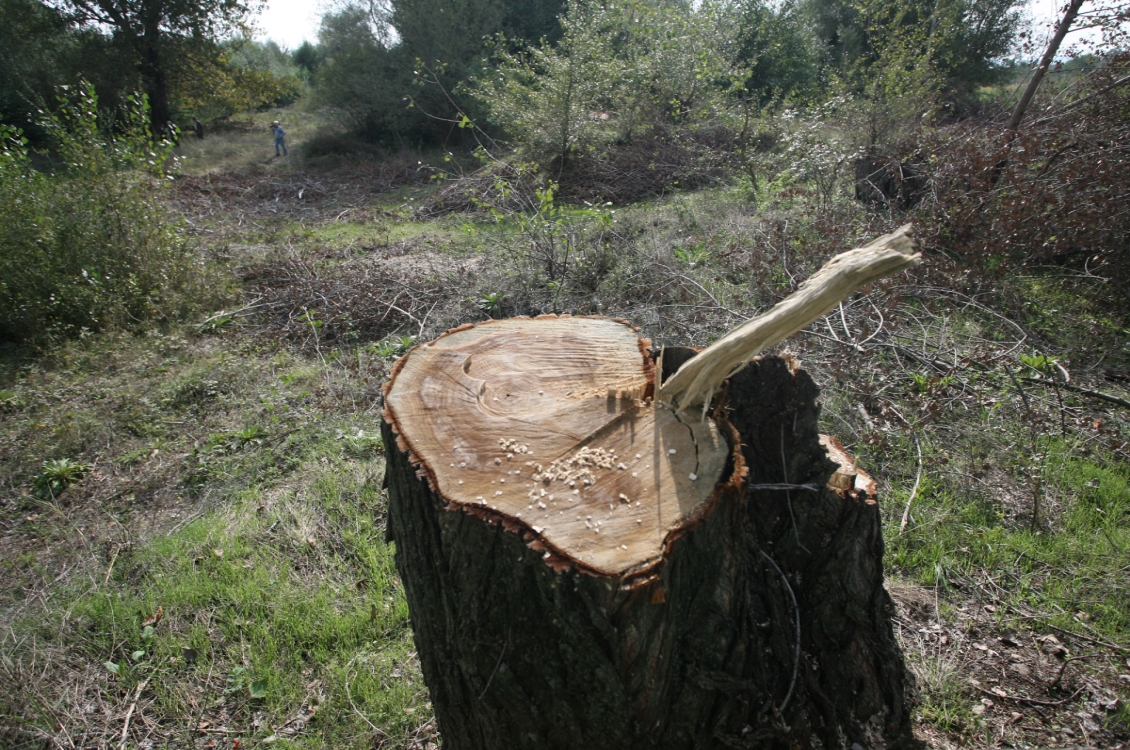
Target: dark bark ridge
x,y
707,653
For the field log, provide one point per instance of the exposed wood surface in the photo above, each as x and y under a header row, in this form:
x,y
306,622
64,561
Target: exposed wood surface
x,y
766,626
541,422
695,383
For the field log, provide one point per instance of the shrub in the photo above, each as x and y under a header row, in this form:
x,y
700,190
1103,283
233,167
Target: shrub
x,y
90,246
1055,195
621,69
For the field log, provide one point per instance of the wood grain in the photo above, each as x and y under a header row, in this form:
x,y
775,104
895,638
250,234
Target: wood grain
x,y
543,423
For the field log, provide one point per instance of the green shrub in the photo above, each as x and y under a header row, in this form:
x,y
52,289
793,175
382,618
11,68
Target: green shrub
x,y
621,68
90,246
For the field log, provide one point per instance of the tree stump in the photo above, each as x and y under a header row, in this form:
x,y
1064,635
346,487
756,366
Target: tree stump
x,y
592,560
585,570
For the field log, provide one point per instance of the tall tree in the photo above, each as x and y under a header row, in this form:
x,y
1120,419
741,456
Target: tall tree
x,y
775,45
155,31
959,40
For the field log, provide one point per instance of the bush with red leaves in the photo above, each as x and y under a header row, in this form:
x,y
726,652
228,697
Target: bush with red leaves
x,y
1057,194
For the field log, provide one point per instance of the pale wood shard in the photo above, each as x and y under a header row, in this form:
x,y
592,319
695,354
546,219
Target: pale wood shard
x,y
697,380
848,477
540,422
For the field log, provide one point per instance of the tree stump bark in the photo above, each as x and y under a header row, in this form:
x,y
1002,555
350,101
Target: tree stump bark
x,y
588,568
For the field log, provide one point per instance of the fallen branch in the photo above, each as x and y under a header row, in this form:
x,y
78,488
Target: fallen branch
x,y
1033,701
913,492
129,714
1084,391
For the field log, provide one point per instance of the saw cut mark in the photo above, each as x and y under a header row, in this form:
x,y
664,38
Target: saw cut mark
x,y
535,420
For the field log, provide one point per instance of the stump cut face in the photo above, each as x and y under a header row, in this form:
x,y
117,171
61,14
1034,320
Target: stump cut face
x,y
540,421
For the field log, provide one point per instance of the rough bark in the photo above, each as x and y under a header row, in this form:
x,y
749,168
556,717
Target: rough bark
x,y
154,77
765,625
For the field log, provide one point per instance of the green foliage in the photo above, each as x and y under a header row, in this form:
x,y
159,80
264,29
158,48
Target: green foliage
x,y
307,58
360,77
620,68
238,75
41,49
162,37
57,475
774,44
897,48
91,246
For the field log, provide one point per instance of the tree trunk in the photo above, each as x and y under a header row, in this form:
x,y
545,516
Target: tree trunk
x,y
155,79
585,567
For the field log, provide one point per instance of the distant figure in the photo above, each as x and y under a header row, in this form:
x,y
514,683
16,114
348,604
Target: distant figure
x,y
198,128
280,138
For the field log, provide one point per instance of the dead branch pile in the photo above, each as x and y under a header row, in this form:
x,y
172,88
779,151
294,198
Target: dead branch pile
x,y
647,166
305,196
355,301
1051,196
497,186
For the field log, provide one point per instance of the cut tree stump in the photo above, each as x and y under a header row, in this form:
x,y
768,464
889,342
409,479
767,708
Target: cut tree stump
x,y
590,566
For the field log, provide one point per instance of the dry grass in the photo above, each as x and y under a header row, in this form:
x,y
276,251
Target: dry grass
x,y
254,434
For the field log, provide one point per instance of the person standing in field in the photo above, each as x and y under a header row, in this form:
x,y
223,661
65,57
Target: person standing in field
x,y
280,138
198,128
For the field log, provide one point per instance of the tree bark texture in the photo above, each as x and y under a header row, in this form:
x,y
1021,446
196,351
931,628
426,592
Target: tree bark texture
x,y
765,626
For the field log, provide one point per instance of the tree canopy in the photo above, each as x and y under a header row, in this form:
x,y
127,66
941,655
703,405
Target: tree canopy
x,y
161,35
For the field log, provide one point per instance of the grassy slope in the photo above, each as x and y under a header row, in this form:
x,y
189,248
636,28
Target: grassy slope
x,y
234,475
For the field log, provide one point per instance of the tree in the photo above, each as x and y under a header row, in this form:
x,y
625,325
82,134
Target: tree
x,y
959,41
40,51
361,77
156,31
775,45
619,68
307,58
527,22
219,80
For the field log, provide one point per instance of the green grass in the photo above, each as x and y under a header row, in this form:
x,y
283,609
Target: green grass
x,y
272,605
1073,573
245,142
257,479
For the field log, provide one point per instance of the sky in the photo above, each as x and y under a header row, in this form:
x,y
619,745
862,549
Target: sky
x,y
289,22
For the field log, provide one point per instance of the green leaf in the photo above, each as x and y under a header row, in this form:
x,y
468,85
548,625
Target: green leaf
x,y
258,689
113,668
137,655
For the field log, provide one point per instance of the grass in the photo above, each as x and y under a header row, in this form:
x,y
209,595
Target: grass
x,y
267,605
1073,573
233,567
245,142
227,476
253,620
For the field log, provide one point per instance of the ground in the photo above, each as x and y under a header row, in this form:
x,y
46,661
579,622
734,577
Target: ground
x,y
192,519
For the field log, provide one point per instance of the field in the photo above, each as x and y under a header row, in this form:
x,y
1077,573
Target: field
x,y
192,520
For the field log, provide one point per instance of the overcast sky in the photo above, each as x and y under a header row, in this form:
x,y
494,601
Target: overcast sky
x,y
289,22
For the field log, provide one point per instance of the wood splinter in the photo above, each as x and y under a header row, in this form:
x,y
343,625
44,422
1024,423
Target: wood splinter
x,y
696,381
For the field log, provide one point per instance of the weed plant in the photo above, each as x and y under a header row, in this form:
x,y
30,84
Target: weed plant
x,y
91,246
